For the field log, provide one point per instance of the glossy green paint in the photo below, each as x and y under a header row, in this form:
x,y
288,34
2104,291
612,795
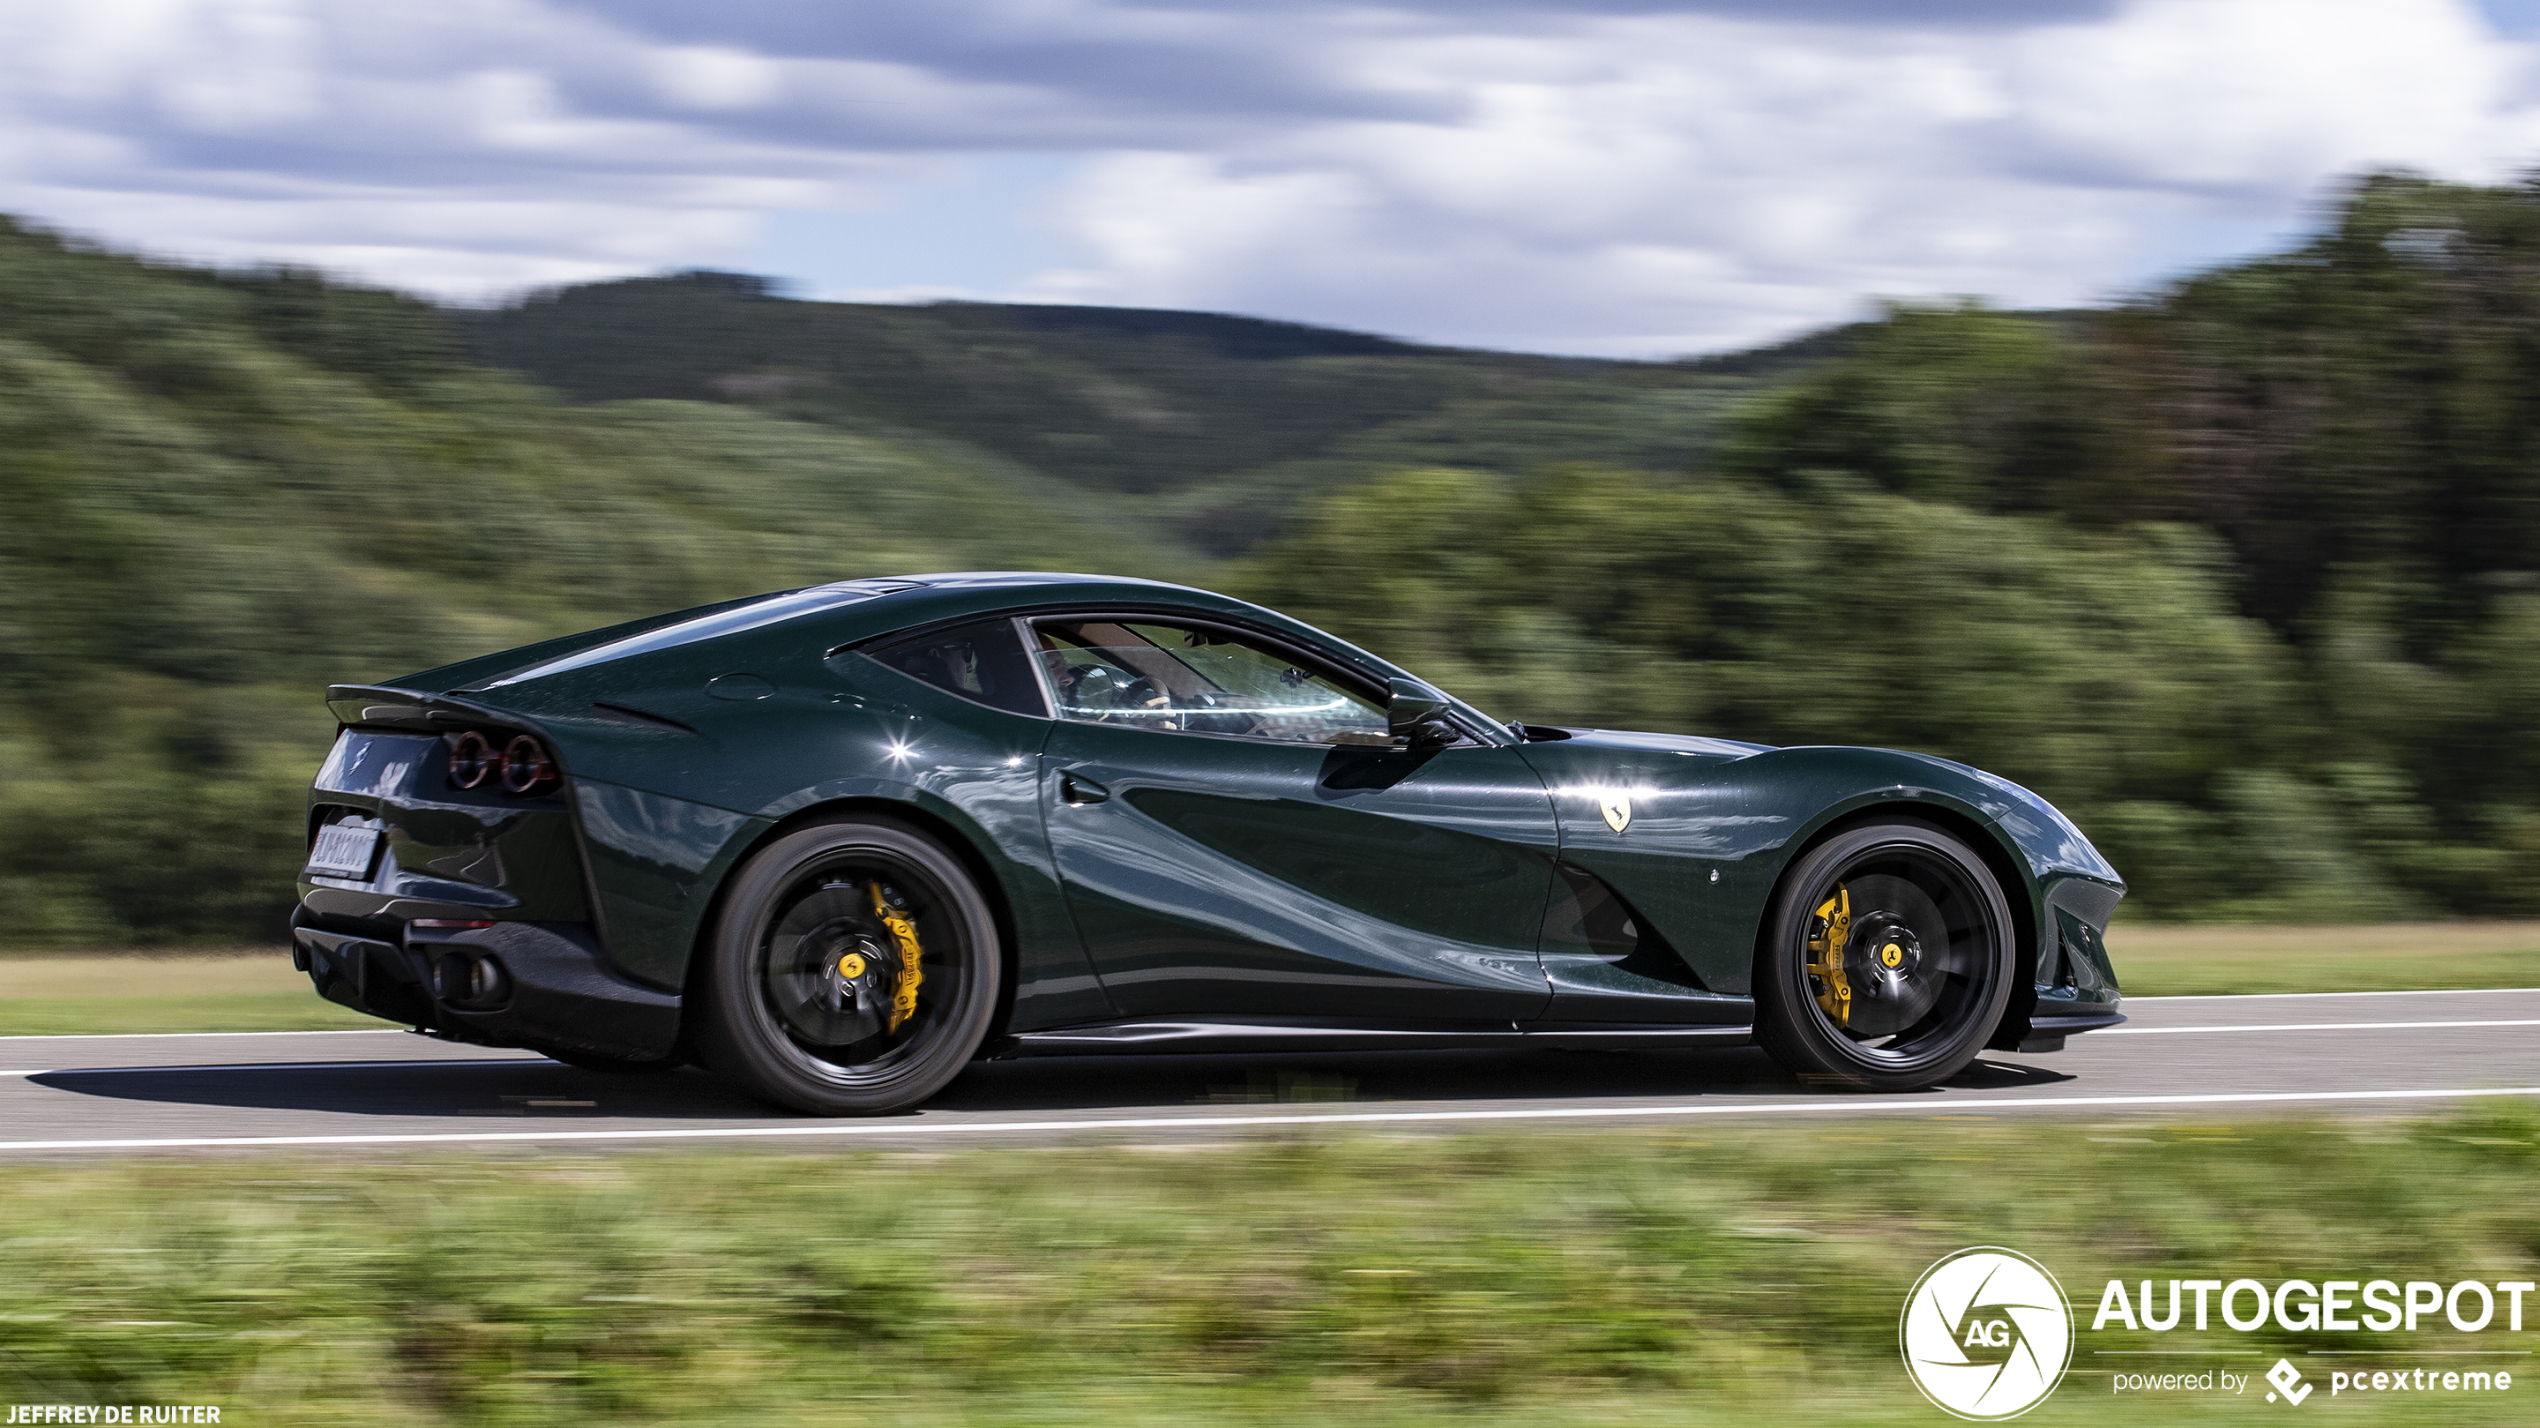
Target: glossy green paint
x,y
655,862
1213,875
1235,877
1705,807
447,853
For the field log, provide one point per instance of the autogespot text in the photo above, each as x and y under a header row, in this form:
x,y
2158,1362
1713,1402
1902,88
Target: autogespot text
x,y
2378,1306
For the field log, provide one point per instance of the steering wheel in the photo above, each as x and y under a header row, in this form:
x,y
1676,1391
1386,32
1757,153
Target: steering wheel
x,y
1209,718
1140,698
1091,688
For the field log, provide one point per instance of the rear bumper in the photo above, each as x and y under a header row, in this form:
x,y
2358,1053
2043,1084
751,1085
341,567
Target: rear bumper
x,y
533,971
549,986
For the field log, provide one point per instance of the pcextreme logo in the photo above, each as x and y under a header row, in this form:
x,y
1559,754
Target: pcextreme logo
x,y
1986,1334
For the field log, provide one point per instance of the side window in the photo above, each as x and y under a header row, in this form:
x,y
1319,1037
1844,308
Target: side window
x,y
984,661
1173,677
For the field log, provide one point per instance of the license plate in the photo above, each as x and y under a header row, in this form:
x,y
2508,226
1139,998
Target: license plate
x,y
344,850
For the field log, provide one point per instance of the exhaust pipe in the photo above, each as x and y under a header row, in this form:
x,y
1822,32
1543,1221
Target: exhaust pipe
x,y
470,981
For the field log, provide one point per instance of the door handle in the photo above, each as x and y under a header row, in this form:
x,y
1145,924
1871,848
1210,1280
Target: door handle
x,y
1075,790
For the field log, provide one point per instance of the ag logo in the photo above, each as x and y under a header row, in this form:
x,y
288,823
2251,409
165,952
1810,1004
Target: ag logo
x,y
1986,1333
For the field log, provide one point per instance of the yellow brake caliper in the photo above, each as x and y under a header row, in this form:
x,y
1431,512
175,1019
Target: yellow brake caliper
x,y
1825,955
904,986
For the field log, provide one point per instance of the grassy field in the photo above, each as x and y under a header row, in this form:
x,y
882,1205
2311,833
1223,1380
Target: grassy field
x,y
209,991
2156,961
258,991
1550,1279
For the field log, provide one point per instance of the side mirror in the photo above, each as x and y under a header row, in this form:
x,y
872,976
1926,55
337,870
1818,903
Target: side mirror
x,y
1416,714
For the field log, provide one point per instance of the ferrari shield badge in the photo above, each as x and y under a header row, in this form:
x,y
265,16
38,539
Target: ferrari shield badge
x,y
1618,809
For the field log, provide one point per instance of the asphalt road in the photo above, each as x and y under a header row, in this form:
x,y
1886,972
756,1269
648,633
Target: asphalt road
x,y
2385,1053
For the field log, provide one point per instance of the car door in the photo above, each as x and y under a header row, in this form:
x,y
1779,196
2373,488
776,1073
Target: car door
x,y
1239,835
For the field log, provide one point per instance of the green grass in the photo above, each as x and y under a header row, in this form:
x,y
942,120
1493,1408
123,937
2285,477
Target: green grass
x,y
258,991
2155,961
219,991
1545,1279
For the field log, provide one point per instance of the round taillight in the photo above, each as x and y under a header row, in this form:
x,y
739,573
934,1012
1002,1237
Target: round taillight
x,y
473,761
527,768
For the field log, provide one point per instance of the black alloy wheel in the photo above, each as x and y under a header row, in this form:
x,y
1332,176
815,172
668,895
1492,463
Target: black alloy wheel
x,y
854,970
1887,961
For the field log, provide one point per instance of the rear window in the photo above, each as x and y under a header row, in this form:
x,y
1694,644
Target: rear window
x,y
722,622
982,661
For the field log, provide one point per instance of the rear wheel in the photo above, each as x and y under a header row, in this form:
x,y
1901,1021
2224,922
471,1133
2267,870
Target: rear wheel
x,y
854,969
1888,960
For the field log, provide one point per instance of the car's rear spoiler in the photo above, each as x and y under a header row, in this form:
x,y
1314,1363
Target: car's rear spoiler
x,y
379,706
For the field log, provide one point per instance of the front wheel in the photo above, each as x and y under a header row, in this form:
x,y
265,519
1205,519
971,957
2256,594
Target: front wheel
x,y
1887,961
854,968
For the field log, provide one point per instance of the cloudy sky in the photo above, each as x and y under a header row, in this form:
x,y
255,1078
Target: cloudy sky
x,y
1617,177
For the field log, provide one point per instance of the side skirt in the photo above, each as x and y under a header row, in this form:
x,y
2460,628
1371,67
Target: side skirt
x,y
1132,1037
2047,1033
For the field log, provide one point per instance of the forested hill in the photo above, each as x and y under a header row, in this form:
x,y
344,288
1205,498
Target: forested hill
x,y
1218,425
220,492
2245,574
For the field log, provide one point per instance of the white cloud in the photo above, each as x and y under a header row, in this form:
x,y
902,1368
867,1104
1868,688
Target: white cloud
x,y
2265,95
714,77
1668,183
1624,176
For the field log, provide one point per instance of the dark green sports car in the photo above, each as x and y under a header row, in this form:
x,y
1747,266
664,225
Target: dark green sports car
x,y
838,842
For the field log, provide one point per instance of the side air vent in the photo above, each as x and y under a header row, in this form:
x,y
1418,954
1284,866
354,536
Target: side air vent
x,y
1587,917
641,718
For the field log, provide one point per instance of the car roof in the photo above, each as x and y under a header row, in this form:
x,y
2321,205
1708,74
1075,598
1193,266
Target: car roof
x,y
841,615
927,599
844,612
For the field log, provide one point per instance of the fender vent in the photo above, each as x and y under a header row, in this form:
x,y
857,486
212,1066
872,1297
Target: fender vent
x,y
1587,915
627,714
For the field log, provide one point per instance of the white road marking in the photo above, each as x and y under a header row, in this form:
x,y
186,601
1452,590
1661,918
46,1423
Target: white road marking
x,y
1949,1105
2420,992
2307,1026
283,1066
172,1035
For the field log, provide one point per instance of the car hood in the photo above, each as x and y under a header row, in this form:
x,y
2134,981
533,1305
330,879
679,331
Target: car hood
x,y
1621,739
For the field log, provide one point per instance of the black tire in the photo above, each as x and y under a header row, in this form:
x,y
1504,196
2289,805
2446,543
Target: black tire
x,y
801,999
1919,977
